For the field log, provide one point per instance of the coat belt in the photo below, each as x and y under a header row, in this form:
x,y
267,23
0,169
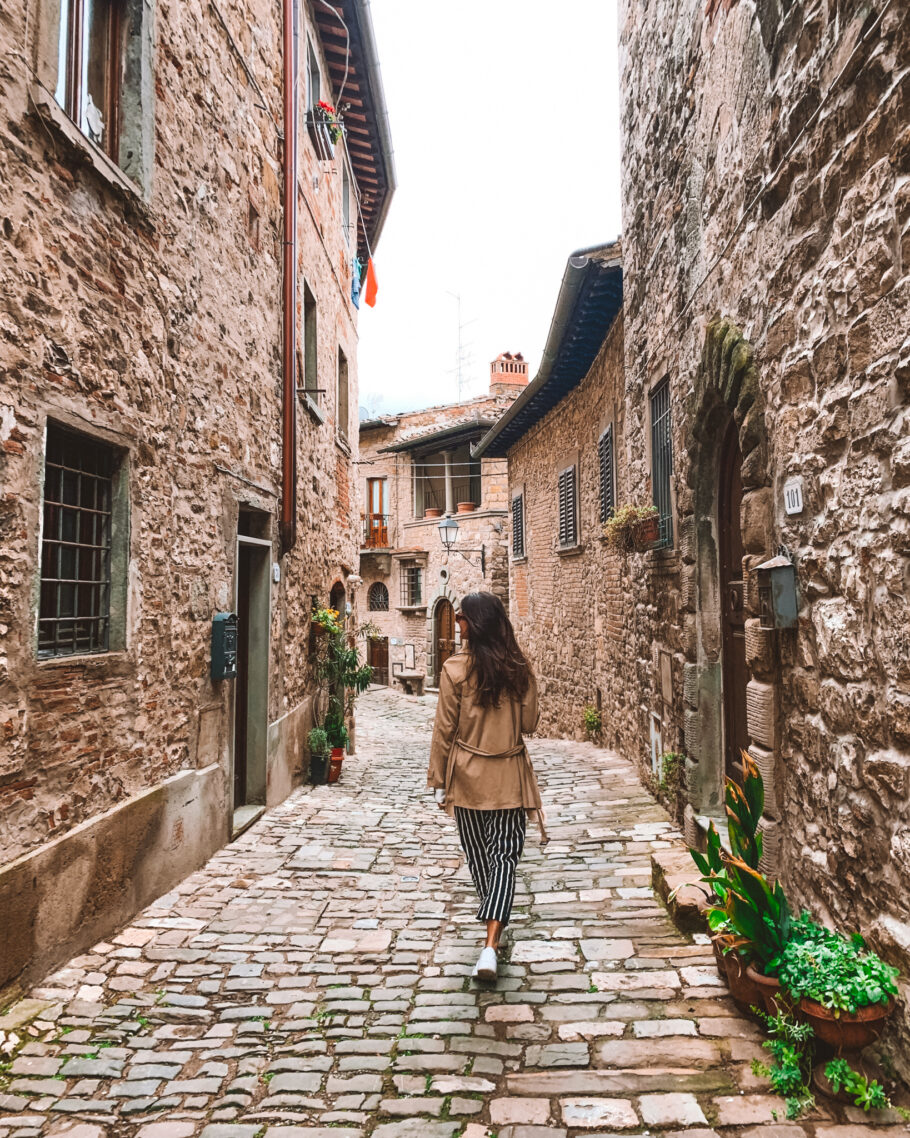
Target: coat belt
x,y
518,749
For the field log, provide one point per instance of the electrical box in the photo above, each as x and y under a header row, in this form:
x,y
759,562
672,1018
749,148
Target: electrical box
x,y
224,646
777,593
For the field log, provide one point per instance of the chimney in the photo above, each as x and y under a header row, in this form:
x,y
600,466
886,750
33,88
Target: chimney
x,y
508,374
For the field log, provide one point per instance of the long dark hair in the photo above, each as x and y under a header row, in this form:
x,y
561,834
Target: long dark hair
x,y
498,665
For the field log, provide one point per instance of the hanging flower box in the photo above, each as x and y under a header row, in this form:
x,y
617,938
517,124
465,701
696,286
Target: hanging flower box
x,y
633,527
324,130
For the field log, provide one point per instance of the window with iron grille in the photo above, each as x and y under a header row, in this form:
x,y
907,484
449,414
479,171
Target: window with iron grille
x,y
662,460
378,597
411,576
605,461
518,525
76,545
568,508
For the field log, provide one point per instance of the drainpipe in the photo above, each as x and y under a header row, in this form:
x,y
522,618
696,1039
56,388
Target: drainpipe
x,y
288,526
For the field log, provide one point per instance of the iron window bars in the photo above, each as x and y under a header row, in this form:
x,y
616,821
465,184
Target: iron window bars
x,y
662,461
606,463
378,597
568,508
411,585
518,526
74,612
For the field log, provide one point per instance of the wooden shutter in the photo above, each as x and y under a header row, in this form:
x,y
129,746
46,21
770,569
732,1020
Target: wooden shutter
x,y
568,526
518,526
607,477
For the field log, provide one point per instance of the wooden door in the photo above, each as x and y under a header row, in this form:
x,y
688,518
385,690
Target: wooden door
x,y
378,659
445,634
242,683
733,615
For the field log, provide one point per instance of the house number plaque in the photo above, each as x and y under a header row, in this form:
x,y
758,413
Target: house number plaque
x,y
793,496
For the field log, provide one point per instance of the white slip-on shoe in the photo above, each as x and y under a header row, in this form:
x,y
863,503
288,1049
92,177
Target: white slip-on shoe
x,y
485,968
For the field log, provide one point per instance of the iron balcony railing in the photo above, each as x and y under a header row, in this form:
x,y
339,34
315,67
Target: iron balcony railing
x,y
376,531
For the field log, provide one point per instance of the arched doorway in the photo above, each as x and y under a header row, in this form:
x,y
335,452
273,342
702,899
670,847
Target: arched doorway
x,y
734,672
338,599
444,633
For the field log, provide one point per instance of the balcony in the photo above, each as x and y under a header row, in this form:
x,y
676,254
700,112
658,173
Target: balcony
x,y
375,531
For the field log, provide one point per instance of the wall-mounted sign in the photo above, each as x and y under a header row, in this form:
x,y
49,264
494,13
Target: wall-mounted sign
x,y
793,496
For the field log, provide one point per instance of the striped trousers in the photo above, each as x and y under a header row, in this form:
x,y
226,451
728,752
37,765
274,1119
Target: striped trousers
x,y
492,841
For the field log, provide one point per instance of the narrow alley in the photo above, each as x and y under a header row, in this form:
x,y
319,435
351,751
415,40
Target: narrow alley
x,y
312,980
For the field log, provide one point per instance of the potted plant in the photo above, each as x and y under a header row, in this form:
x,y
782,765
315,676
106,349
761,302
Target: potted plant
x,y
325,129
319,756
432,512
465,507
632,527
593,723
845,992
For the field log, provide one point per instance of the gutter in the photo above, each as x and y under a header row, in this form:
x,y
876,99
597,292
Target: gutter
x,y
288,514
573,278
374,77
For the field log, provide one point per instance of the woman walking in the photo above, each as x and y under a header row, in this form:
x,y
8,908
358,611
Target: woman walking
x,y
479,765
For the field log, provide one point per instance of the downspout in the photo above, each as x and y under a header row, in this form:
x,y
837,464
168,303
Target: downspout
x,y
288,526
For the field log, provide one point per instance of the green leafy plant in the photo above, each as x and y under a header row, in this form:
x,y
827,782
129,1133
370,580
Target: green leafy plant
x,y
336,732
866,1093
619,527
758,914
672,769
318,741
745,805
836,973
593,722
791,1045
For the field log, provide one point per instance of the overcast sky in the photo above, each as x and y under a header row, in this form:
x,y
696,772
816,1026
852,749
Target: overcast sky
x,y
504,119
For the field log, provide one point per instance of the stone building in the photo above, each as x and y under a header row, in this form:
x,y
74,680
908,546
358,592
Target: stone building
x,y
178,244
417,469
764,410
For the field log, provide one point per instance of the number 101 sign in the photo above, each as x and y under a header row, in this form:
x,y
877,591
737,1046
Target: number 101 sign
x,y
793,496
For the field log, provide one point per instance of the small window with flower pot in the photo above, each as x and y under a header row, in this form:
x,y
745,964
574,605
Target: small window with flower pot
x,y
632,527
446,481
322,121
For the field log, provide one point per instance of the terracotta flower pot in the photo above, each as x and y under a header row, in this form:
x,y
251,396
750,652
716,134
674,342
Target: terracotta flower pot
x,y
843,1031
338,753
718,944
773,1000
646,532
432,512
745,992
466,507
334,769
319,769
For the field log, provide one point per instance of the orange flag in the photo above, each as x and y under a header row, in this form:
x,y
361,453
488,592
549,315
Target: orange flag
x,y
369,293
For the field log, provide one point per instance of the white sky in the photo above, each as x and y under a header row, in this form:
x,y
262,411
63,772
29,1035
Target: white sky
x,y
504,119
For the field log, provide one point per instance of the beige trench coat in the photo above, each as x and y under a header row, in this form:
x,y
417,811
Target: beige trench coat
x,y
478,755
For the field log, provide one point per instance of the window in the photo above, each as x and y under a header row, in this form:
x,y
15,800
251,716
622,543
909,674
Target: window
x,y
605,462
342,402
662,460
378,597
376,522
411,584
310,346
568,508
436,473
90,66
518,525
313,80
79,545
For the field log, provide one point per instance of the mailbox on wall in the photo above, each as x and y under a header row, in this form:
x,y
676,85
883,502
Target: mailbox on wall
x,y
224,646
777,592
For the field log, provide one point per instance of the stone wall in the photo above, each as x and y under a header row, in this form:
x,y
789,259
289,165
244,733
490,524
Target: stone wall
x,y
149,317
767,272
578,613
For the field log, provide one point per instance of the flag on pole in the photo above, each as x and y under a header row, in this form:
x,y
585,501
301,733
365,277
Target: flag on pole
x,y
371,287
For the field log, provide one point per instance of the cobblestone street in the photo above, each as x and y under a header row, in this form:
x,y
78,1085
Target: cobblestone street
x,y
313,980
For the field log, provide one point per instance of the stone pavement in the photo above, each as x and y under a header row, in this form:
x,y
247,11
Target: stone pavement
x,y
312,981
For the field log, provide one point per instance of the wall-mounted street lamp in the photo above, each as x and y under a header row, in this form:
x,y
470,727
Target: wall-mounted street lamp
x,y
448,535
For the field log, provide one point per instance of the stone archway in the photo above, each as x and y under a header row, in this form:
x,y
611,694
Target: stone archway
x,y
443,593
727,396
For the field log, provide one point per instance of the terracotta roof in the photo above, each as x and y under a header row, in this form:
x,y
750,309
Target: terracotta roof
x,y
458,430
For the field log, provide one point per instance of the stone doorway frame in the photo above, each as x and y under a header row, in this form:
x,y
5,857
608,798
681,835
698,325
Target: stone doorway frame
x,y
443,593
726,387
